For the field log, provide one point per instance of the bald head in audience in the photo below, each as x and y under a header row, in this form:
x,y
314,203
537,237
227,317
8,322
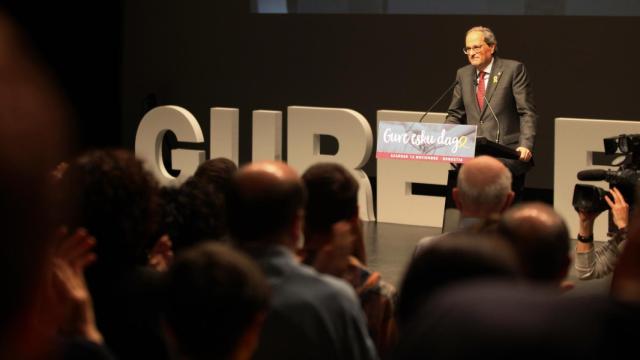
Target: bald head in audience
x,y
265,206
482,193
484,188
541,239
312,315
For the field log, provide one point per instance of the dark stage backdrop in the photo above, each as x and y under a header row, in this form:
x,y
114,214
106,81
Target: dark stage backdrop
x,y
202,54
81,43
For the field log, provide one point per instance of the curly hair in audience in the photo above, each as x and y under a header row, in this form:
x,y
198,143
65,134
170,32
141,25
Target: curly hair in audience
x,y
117,201
193,212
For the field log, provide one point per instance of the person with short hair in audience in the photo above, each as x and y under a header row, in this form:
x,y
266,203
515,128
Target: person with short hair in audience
x,y
503,319
312,316
483,191
332,198
464,256
217,299
541,239
217,172
191,213
196,210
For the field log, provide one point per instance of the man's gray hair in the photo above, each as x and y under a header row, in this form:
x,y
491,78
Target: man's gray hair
x,y
484,196
489,36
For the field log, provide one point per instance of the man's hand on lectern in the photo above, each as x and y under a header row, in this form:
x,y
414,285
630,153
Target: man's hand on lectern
x,y
525,154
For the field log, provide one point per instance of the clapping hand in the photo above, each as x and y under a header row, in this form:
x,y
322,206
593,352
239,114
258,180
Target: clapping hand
x,y
73,254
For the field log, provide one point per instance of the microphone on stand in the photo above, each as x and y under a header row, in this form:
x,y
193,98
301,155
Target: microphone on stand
x,y
439,99
495,117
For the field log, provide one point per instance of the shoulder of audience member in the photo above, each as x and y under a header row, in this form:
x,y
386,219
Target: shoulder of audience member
x,y
322,287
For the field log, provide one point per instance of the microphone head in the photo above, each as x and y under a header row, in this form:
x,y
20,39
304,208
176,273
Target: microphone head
x,y
592,175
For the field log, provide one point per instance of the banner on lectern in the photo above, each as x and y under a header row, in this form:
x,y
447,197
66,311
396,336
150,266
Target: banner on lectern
x,y
426,141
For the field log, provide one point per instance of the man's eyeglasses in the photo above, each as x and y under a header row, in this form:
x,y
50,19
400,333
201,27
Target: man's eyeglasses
x,y
475,49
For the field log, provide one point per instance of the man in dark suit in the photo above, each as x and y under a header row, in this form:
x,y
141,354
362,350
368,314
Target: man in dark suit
x,y
495,94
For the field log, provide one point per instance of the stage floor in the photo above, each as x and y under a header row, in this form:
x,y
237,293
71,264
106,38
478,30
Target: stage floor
x,y
390,247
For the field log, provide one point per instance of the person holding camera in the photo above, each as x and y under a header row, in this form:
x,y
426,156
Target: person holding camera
x,y
592,263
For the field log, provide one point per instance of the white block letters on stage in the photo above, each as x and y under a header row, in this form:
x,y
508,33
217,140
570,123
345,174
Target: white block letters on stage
x,y
395,201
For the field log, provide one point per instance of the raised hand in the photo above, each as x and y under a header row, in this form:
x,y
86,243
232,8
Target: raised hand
x,y
73,254
619,208
161,255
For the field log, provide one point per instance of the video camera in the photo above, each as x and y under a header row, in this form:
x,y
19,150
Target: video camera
x,y
590,198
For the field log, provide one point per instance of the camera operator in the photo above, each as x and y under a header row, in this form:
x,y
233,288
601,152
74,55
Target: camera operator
x,y
592,263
